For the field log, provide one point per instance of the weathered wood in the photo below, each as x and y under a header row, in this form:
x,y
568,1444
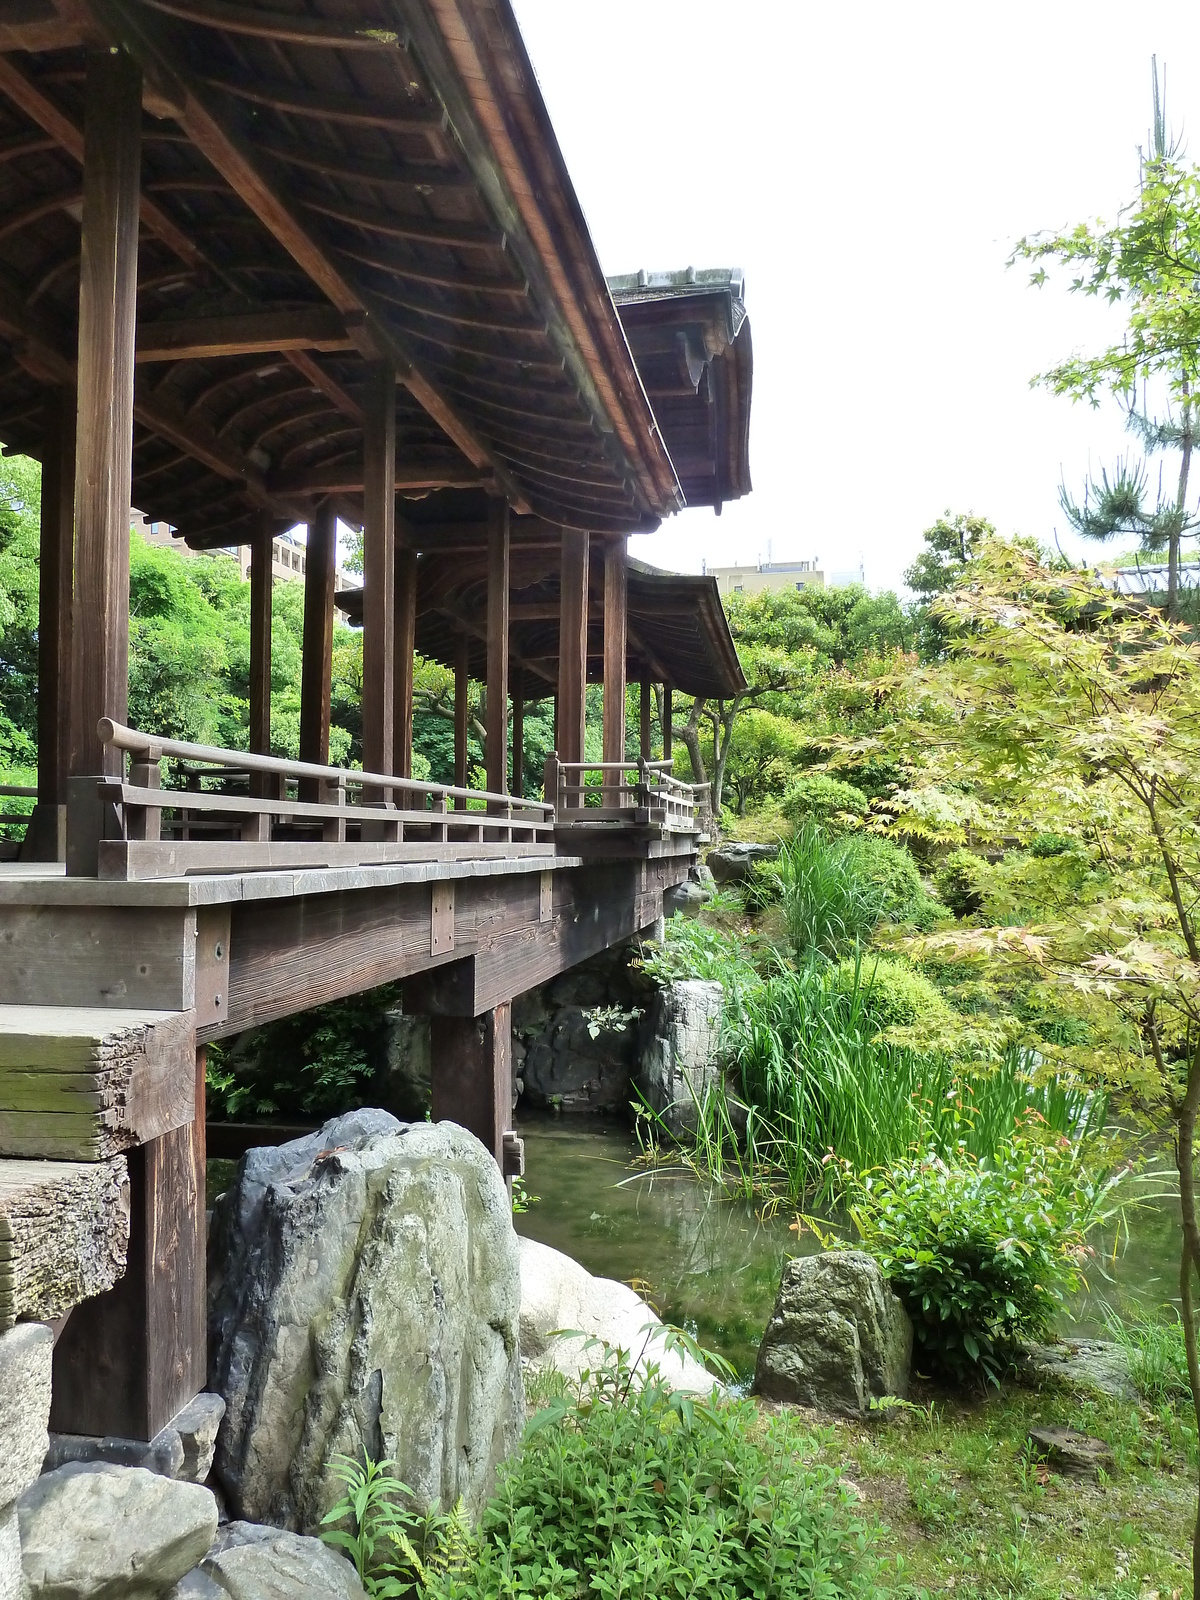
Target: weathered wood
x,y
518,732
462,690
263,331
645,720
48,829
472,1074
668,732
497,647
135,861
86,1084
141,957
441,919
104,447
316,667
129,1360
261,579
572,645
379,575
406,635
615,608
64,1235
349,477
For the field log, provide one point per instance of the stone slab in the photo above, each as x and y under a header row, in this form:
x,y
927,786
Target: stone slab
x,y
10,1554
26,1352
183,1450
251,1562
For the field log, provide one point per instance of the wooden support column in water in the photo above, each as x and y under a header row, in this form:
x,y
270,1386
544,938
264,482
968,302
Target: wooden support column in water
x,y
316,669
129,1360
614,661
406,639
462,690
48,827
472,1074
379,572
572,646
518,732
497,647
112,141
261,560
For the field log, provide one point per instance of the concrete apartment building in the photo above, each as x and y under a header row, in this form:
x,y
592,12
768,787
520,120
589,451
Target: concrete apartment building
x,y
288,555
766,575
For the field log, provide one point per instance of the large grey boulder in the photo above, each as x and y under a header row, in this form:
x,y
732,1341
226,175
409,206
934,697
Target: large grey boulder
x,y
1089,1366
685,899
679,1061
838,1337
249,1562
563,1308
183,1449
10,1554
26,1352
365,1298
733,862
98,1532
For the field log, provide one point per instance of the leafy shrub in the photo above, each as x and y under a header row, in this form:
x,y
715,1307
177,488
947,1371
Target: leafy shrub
x,y
981,1252
894,995
693,949
816,797
836,891
1050,844
959,881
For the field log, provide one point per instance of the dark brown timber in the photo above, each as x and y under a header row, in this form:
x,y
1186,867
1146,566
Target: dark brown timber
x,y
518,731
472,1074
615,595
260,636
316,671
56,571
462,690
572,644
497,647
645,719
406,631
379,575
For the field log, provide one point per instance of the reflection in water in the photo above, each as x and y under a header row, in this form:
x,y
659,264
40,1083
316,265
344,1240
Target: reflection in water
x,y
713,1266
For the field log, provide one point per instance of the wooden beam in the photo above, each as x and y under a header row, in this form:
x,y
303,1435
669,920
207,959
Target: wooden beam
x,y
64,1235
572,644
668,731
462,689
349,478
129,1360
262,331
316,670
327,386
406,638
645,720
518,731
379,573
615,604
36,25
472,1074
497,647
55,582
261,578
104,447
283,27
357,110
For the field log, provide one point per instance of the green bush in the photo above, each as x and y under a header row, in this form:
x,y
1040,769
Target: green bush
x,y
981,1252
894,995
836,891
695,949
816,797
959,881
1051,844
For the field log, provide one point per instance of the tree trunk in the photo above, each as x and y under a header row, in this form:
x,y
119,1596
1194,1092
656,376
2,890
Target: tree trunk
x,y
1185,1159
690,734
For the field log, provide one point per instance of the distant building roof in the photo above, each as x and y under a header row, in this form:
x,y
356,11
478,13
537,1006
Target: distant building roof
x,y
1150,577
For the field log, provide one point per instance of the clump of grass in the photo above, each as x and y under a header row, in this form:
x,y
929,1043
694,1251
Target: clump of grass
x,y
1154,1348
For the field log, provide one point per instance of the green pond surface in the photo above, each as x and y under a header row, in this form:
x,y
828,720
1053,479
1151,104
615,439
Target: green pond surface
x,y
712,1264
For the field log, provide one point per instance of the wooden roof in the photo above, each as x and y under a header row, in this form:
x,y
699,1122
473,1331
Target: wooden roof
x,y
325,182
677,631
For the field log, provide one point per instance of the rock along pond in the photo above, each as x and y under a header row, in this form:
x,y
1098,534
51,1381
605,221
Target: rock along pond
x,y
712,1265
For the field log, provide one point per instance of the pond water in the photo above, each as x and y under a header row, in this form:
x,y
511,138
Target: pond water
x,y
712,1265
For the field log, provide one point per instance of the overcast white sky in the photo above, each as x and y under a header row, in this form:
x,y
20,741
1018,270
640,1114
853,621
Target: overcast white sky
x,y
869,167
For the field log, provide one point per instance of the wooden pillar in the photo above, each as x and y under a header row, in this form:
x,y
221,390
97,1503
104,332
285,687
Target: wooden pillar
x,y
497,647
668,731
48,828
572,646
316,669
130,1360
462,690
614,657
261,557
112,138
472,1074
645,719
406,639
518,732
379,573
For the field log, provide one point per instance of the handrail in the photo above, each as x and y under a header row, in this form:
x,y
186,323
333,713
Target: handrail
x,y
16,791
153,749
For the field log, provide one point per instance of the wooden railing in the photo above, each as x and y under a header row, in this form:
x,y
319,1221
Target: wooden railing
x,y
632,793
234,811
10,848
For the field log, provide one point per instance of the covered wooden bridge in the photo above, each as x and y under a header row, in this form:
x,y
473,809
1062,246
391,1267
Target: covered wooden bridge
x,y
263,264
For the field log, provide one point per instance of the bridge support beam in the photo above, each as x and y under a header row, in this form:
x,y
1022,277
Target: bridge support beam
x,y
47,839
472,1075
572,645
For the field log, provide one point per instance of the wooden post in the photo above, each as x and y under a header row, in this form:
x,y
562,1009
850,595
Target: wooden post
x,y
261,554
112,140
462,689
572,647
497,647
518,732
668,732
316,668
379,572
48,829
472,1074
645,719
406,638
614,661
129,1360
